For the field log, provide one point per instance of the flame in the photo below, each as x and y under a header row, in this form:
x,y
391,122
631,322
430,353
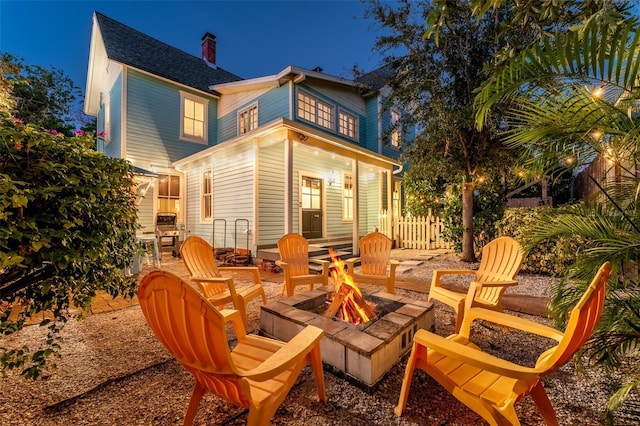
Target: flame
x,y
346,287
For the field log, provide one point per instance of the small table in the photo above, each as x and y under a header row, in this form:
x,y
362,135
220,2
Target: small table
x,y
155,253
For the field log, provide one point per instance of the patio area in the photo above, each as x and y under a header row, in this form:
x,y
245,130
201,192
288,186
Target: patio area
x,y
114,371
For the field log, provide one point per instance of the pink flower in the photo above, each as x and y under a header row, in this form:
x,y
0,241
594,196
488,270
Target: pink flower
x,y
101,133
18,121
78,132
53,132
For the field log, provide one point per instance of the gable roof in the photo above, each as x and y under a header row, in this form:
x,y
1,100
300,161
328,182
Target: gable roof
x,y
377,79
133,48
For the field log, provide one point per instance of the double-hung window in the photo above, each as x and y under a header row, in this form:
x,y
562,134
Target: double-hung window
x,y
193,123
347,125
169,193
316,111
206,206
347,198
395,128
248,119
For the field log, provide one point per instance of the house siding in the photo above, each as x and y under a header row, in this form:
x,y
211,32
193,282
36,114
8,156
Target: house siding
x,y
153,123
271,193
271,105
233,172
114,132
371,130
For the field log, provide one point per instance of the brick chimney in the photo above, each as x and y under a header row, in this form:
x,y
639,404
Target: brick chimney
x,y
209,48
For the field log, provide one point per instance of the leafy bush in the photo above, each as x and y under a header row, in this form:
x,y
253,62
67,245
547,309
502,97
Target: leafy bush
x,y
67,229
488,208
550,257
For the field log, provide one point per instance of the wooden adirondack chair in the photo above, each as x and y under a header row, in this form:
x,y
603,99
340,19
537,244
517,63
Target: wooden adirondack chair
x,y
198,257
294,260
500,263
257,374
491,386
375,250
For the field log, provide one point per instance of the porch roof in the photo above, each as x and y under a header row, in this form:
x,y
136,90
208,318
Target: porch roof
x,y
327,142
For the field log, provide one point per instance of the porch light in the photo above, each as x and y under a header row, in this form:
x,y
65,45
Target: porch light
x,y
331,179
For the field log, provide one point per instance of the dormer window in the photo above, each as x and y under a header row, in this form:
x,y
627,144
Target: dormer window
x,y
316,111
347,125
248,119
194,112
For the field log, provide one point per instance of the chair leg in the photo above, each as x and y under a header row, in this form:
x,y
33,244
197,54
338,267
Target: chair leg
x,y
406,381
543,404
196,397
315,359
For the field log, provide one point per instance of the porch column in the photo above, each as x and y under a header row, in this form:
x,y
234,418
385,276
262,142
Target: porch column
x,y
390,211
355,169
288,185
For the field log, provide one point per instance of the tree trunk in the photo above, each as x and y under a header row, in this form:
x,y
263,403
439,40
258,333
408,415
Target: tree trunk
x,y
468,252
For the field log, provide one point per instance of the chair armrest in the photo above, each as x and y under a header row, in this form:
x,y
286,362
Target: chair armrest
x,y
510,321
253,269
495,283
319,261
351,263
474,357
394,262
291,353
223,280
235,318
438,273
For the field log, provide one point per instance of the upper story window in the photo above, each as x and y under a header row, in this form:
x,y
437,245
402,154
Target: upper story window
x,y
206,206
314,110
248,119
194,113
347,125
396,130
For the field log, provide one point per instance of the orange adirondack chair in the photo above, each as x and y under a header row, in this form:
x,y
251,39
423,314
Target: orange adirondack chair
x,y
294,260
197,255
491,386
500,263
375,250
257,374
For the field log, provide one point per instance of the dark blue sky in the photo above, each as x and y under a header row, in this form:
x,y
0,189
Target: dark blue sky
x,y
255,38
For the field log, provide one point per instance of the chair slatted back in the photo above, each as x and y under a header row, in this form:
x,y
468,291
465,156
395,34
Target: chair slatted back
x,y
198,257
192,330
582,321
375,251
501,261
294,249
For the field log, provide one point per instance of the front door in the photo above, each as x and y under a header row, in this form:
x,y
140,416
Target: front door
x,y
311,202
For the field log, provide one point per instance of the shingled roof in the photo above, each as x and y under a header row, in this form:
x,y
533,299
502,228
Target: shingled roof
x,y
138,50
377,79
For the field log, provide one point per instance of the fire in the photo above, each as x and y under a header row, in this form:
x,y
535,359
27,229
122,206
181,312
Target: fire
x,y
348,303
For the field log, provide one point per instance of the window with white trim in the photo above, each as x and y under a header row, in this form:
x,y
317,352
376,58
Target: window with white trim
x,y
347,125
206,205
395,128
248,119
316,111
347,197
169,194
193,123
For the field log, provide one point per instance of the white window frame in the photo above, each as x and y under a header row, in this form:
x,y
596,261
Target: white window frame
x,y
107,120
348,125
205,122
249,123
347,197
206,197
396,128
316,111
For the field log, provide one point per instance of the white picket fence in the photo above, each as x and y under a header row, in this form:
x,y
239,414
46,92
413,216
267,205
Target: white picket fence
x,y
415,232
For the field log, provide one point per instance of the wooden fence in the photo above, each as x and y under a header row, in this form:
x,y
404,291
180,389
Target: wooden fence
x,y
413,232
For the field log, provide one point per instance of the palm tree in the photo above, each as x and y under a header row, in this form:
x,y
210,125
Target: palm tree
x,y
574,97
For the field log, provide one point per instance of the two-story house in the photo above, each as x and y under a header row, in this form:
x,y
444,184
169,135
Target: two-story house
x,y
243,161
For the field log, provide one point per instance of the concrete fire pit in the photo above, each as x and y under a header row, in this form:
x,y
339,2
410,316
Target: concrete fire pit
x,y
364,352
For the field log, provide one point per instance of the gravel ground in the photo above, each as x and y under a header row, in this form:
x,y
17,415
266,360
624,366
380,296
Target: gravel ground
x,y
113,371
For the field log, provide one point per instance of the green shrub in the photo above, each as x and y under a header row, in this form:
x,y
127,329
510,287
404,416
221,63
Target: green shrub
x,y
548,258
67,229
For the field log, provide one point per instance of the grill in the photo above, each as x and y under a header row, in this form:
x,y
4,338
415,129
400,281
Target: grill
x,y
167,232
